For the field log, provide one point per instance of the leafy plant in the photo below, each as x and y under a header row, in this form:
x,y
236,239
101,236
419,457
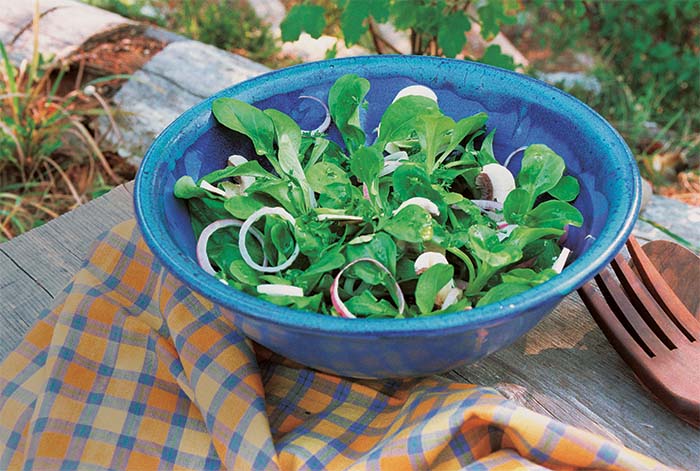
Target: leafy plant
x,y
43,137
647,61
654,44
436,27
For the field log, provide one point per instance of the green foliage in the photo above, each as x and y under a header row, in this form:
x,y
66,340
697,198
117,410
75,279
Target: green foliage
x,y
136,9
558,24
647,63
437,27
305,17
651,44
654,44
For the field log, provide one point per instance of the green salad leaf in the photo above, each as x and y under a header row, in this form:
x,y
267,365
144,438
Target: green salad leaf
x,y
391,228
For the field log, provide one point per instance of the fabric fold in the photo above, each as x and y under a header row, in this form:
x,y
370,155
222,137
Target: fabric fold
x,y
132,370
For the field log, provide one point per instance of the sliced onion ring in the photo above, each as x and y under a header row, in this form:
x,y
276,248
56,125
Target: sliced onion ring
x,y
512,154
488,205
326,121
248,226
559,263
203,240
338,303
280,290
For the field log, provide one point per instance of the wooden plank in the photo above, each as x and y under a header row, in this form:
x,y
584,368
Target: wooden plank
x,y
22,299
53,253
35,267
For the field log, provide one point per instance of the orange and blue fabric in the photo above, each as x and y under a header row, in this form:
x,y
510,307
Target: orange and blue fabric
x,y
131,370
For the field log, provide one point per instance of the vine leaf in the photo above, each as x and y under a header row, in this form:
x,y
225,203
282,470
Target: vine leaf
x,y
305,17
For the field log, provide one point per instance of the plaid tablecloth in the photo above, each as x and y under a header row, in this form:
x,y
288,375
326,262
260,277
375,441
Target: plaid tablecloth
x,y
131,370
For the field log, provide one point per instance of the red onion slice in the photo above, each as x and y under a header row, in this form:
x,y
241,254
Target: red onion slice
x,y
338,303
326,121
203,240
248,226
365,192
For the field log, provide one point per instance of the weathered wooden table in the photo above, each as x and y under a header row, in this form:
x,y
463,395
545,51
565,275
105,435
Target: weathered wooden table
x,y
563,368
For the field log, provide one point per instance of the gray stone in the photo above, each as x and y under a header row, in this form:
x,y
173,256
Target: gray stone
x,y
271,12
200,69
64,26
679,218
569,80
177,78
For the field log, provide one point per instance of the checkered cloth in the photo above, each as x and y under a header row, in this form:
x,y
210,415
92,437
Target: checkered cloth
x,y
131,370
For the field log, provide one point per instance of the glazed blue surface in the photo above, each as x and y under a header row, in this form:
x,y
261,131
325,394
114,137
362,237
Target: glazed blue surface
x,y
523,111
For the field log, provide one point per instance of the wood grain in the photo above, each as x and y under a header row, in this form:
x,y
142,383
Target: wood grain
x,y
680,268
563,368
35,267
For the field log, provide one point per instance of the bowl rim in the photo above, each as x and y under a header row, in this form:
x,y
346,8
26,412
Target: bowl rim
x,y
594,258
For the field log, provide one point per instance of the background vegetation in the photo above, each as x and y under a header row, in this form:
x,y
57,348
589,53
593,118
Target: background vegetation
x,y
644,54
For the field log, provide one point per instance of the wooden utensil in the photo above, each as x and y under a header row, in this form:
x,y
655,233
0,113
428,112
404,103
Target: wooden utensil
x,y
651,329
680,268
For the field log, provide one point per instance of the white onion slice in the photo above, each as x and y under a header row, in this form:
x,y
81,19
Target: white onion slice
x,y
339,217
338,303
512,154
416,90
389,167
203,240
205,185
248,226
488,205
424,203
326,121
396,156
561,260
392,162
280,290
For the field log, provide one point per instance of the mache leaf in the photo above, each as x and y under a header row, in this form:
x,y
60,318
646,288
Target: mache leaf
x,y
430,282
248,120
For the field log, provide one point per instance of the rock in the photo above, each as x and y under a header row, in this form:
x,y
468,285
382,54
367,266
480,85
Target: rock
x,y
308,49
180,76
64,27
569,80
647,193
271,12
675,216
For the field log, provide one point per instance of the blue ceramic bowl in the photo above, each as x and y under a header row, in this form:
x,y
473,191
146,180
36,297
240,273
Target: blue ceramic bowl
x,y
523,110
